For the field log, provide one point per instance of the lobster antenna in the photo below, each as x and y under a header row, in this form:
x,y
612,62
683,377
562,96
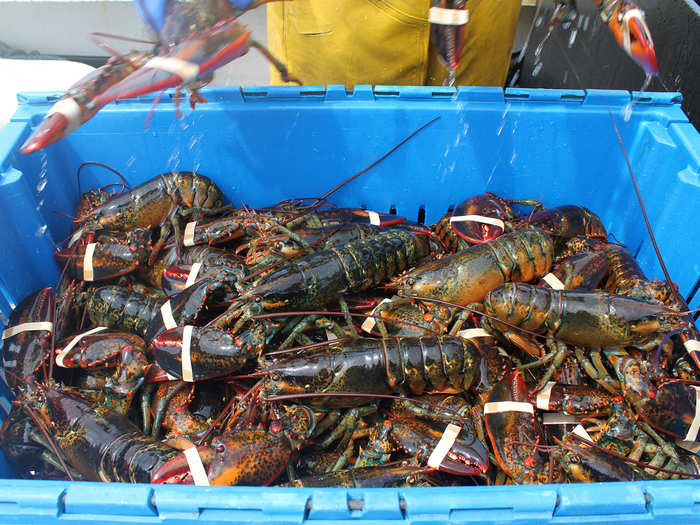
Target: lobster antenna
x,y
642,207
351,314
122,38
95,163
365,170
49,439
290,257
657,354
74,219
226,410
623,458
472,310
305,395
308,347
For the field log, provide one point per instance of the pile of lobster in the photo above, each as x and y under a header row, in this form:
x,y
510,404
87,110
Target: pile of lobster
x,y
308,345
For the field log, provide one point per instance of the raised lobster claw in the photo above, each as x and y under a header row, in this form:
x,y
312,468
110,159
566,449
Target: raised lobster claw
x,y
628,25
78,104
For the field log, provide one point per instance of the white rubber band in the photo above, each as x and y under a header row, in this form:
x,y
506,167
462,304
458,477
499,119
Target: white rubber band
x,y
557,418
185,356
692,434
369,323
171,377
187,71
188,238
88,272
330,335
27,327
449,436
581,432
479,218
374,218
192,276
166,312
508,406
553,281
448,17
60,356
472,333
692,345
690,446
194,461
544,395
70,109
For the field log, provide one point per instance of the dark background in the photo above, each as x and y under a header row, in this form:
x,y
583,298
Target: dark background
x,y
595,61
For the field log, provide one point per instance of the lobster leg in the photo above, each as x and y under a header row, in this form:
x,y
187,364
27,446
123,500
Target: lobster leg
x,y
348,424
146,396
162,406
284,72
597,371
559,352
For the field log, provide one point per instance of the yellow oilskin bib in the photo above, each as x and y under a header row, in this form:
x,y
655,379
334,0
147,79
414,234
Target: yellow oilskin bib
x,y
386,42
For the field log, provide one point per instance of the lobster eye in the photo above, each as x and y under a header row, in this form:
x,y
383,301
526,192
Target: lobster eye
x,y
220,448
276,377
257,299
410,281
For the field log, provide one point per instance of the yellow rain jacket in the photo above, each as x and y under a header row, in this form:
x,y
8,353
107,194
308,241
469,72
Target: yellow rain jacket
x,y
386,42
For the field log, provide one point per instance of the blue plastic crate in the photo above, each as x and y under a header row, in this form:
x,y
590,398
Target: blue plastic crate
x,y
262,145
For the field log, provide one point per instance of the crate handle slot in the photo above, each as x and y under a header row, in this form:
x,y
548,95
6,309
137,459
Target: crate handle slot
x,y
573,96
387,93
517,96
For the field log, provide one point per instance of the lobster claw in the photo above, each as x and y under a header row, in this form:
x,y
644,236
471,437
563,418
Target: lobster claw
x,y
631,31
190,60
177,469
54,127
213,352
466,457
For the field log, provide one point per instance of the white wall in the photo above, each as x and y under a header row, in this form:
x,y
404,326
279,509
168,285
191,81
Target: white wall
x,y
62,27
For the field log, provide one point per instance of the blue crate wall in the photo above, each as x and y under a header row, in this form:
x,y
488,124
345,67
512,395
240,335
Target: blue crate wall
x,y
263,145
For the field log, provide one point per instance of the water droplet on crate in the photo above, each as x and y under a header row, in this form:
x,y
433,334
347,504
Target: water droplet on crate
x,y
506,110
566,76
572,37
585,23
536,70
194,141
539,21
500,128
493,170
130,161
41,184
39,204
512,159
41,231
627,112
